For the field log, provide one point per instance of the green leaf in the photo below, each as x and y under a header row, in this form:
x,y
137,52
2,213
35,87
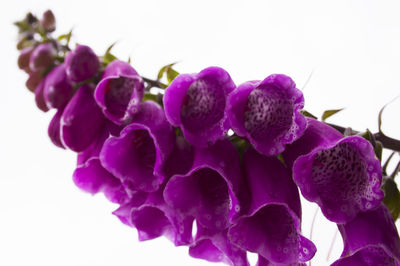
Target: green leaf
x,y
308,114
384,167
150,97
392,197
169,71
171,75
108,58
380,115
329,113
66,37
109,48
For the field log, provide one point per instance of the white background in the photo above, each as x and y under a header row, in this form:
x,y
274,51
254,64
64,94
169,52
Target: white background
x,y
351,47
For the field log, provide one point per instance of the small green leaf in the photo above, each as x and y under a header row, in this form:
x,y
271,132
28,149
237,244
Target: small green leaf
x,y
169,71
392,197
171,75
380,115
384,167
308,114
150,97
66,37
108,58
329,113
109,48
396,171
378,150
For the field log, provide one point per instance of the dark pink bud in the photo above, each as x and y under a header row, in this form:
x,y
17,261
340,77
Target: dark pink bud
x,y
48,21
42,57
23,58
81,63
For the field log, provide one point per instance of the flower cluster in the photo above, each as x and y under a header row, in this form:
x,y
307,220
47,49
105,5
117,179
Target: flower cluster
x,y
174,163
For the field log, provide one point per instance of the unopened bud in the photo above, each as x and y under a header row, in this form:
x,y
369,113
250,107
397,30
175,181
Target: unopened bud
x,y
48,21
42,57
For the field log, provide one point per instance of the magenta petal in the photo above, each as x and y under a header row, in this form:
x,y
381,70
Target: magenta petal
x,y
82,120
93,178
152,217
138,155
196,103
343,178
209,191
371,236
58,88
274,194
93,150
267,113
317,134
214,246
119,92
81,63
54,129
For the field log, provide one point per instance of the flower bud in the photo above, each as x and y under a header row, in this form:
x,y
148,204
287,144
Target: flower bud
x,y
48,21
81,63
42,57
58,88
82,120
33,80
23,58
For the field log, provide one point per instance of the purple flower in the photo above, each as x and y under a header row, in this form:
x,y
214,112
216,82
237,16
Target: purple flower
x,y
274,194
267,113
42,57
58,88
82,120
119,92
23,58
343,177
215,246
152,217
138,155
81,63
370,239
90,175
93,178
54,129
317,134
196,103
209,191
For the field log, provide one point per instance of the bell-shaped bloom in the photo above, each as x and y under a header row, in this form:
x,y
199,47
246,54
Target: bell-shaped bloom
x,y
370,239
272,226
42,57
215,246
119,92
342,177
152,217
33,80
82,119
267,113
138,155
317,134
210,190
54,129
58,88
39,98
196,103
81,63
23,58
92,177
